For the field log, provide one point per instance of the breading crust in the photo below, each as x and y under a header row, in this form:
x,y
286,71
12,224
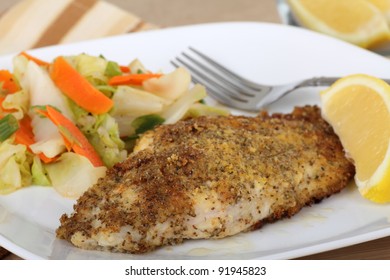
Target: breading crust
x,y
210,177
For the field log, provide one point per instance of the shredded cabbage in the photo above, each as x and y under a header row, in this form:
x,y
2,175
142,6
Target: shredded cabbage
x,y
107,142
178,109
137,108
170,86
102,132
19,101
199,109
39,173
20,66
112,69
15,164
48,140
131,103
135,102
91,67
137,67
73,174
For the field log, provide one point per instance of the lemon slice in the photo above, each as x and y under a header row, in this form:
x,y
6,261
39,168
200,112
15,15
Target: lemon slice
x,y
356,21
383,6
358,108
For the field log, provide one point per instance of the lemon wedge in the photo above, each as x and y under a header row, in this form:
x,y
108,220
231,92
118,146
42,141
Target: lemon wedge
x,y
356,21
358,108
383,6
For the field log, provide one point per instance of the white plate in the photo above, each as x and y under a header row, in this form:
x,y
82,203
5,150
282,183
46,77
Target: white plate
x,y
272,54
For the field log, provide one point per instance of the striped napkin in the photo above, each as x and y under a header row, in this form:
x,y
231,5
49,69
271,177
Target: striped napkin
x,y
3,252
37,23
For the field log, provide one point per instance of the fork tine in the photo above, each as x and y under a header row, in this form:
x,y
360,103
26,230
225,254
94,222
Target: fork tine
x,y
222,84
211,83
224,99
248,91
219,84
228,72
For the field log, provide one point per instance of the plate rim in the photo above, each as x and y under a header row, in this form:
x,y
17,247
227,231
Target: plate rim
x,y
22,252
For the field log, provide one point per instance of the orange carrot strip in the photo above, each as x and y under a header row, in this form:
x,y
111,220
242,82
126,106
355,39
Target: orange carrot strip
x,y
72,135
25,136
124,69
5,110
132,79
2,110
8,85
77,88
8,82
46,159
2,98
35,59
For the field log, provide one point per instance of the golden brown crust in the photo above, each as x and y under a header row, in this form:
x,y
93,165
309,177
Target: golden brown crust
x,y
286,161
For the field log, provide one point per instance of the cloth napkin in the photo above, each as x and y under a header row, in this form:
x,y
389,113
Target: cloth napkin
x,y
3,252
37,23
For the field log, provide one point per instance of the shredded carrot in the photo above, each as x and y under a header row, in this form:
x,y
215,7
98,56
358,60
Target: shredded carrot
x,y
9,85
35,59
132,79
2,110
46,159
77,88
124,69
72,135
25,136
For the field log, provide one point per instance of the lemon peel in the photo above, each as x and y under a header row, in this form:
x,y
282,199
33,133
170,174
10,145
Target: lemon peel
x,y
358,108
356,21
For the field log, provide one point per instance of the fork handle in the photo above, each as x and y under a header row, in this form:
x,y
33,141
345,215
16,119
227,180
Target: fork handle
x,y
313,82
324,81
318,82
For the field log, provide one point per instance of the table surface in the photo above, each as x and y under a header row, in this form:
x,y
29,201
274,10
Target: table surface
x,y
186,12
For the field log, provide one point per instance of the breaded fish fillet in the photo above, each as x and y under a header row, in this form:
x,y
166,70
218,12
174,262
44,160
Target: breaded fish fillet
x,y
210,177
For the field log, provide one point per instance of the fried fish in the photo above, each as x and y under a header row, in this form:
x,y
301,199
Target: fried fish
x,y
210,177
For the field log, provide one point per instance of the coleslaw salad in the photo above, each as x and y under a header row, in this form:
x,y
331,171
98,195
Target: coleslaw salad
x,y
63,123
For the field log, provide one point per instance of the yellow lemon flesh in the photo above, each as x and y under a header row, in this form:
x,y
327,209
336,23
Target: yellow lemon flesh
x,y
358,108
356,21
383,6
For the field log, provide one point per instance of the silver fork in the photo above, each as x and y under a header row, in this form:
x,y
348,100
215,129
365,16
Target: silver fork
x,y
233,90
